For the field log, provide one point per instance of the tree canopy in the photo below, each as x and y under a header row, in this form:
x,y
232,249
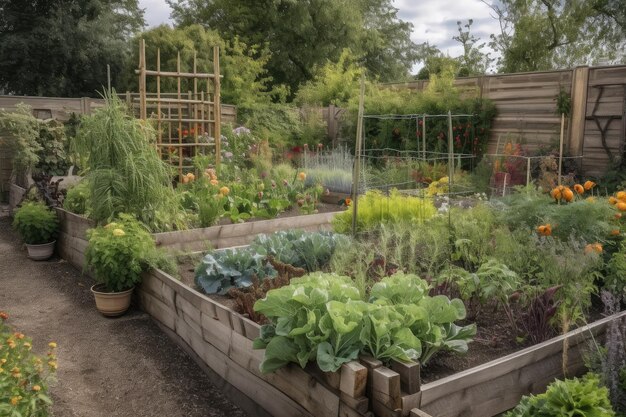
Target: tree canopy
x,y
304,34
62,48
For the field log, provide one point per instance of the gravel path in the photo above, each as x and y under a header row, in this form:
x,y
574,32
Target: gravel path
x,y
107,367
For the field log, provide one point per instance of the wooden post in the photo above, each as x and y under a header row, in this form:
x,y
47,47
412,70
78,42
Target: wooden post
x,y
424,137
561,146
528,171
143,112
217,107
450,152
180,123
195,105
356,175
580,82
158,87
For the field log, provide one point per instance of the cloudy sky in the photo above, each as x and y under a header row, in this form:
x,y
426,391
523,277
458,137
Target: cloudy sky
x,y
434,21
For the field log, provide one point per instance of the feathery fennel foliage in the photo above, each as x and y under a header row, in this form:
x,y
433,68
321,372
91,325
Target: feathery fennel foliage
x,y
124,171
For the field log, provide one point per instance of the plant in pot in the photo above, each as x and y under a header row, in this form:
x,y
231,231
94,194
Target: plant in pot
x,y
38,225
117,254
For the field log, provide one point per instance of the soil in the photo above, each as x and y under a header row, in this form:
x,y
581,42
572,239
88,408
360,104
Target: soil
x,y
119,367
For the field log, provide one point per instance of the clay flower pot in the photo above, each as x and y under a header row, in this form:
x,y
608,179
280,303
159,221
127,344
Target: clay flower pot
x,y
111,304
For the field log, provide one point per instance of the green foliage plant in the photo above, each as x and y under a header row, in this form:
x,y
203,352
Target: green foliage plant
x,y
24,376
221,270
119,252
124,171
571,397
322,318
36,223
77,198
375,208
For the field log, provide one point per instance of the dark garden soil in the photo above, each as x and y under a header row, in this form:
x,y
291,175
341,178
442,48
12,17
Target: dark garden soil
x,y
107,367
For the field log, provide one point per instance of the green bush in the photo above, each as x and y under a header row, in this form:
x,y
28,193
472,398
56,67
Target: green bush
x,y
571,397
36,223
119,252
24,376
77,198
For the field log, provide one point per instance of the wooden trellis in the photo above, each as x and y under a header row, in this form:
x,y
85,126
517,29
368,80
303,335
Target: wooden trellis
x,y
186,122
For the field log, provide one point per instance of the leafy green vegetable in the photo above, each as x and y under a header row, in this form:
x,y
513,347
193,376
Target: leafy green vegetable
x,y
582,397
321,317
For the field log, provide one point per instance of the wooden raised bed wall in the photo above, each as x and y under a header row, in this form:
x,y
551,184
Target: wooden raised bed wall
x,y
221,340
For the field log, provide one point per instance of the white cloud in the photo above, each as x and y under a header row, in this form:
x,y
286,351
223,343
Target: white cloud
x,y
156,12
434,21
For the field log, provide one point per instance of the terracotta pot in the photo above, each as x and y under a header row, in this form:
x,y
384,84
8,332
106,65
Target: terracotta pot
x,y
40,252
111,304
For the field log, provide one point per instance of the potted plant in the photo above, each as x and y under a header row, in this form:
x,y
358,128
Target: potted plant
x,y
38,225
117,254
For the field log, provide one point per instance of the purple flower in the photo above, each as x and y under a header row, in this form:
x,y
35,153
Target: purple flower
x,y
228,155
241,130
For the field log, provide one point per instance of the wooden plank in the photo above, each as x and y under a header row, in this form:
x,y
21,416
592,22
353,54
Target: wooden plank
x,y
497,386
291,380
419,413
353,379
386,388
157,309
271,400
409,375
216,333
360,404
381,410
370,363
409,402
252,329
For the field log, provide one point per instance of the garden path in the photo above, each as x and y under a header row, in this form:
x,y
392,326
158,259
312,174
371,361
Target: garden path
x,y
107,367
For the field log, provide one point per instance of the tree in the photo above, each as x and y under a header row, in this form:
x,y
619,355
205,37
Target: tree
x,y
473,61
62,48
303,34
549,34
245,79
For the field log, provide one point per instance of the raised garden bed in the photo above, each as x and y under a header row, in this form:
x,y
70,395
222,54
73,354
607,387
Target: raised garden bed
x,y
221,340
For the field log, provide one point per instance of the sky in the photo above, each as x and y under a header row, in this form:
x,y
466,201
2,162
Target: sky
x,y
434,21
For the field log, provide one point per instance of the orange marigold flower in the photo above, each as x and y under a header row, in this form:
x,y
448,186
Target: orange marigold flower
x,y
568,195
224,190
36,388
615,232
3,315
613,201
348,201
15,400
556,193
302,176
621,206
18,335
589,185
621,195
579,189
214,182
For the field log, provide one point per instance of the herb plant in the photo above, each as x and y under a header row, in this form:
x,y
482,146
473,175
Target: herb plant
x,y
36,223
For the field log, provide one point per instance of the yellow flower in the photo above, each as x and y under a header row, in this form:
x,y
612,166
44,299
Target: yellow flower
x,y
302,176
112,224
52,364
118,232
27,345
3,361
15,372
15,400
224,190
590,199
52,345
11,343
36,388
214,182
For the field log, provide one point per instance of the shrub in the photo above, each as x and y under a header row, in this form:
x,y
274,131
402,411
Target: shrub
x,y
571,397
77,198
119,252
36,223
24,376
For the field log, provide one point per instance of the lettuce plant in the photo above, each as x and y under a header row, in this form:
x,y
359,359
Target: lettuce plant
x,y
571,397
322,318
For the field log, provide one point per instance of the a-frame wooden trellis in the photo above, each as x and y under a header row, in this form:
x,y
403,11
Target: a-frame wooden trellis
x,y
184,124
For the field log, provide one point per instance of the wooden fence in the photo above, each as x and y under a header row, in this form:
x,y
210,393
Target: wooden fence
x,y
526,104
